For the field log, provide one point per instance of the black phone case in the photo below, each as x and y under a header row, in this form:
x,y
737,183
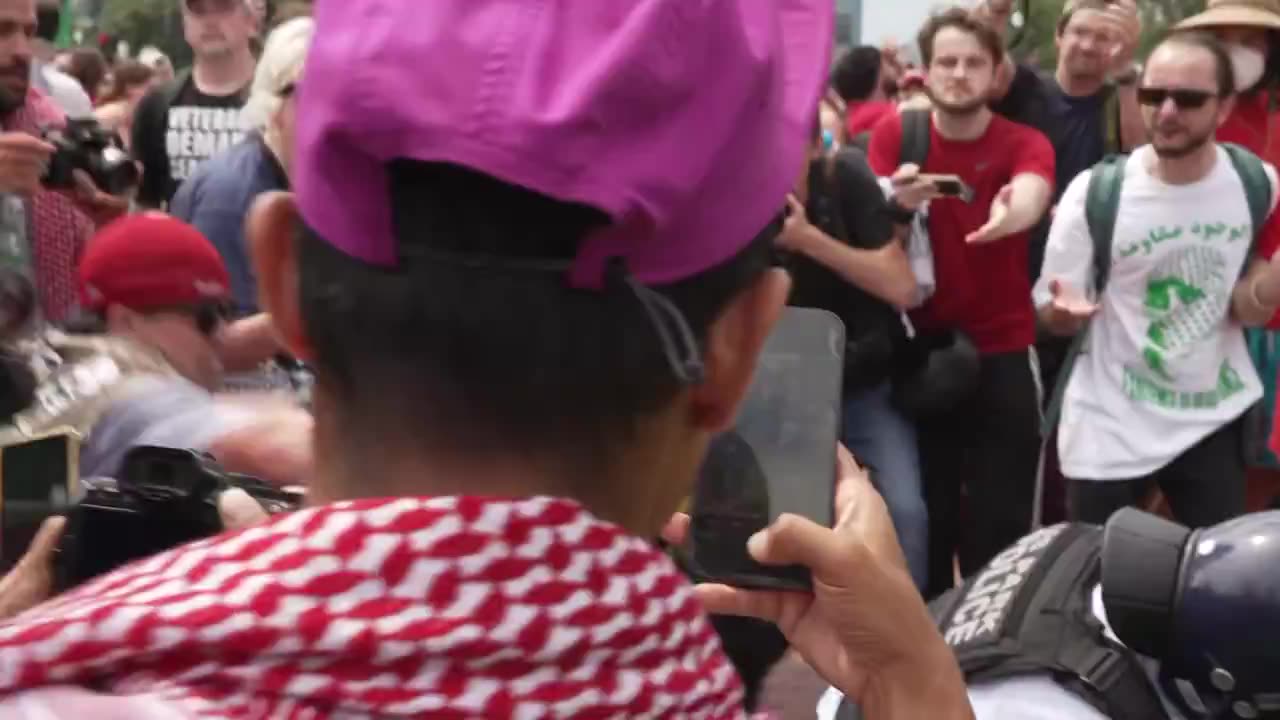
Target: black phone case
x,y
780,456
33,486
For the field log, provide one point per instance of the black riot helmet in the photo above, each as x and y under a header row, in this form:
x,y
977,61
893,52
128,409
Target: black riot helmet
x,y
1204,603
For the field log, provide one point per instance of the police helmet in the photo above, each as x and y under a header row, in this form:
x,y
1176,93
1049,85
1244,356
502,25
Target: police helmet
x,y
1205,603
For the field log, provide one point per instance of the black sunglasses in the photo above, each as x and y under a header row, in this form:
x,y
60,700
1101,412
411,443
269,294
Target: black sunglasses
x,y
211,316
1183,99
208,317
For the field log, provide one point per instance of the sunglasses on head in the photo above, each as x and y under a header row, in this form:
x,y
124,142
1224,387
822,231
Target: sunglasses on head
x,y
1183,99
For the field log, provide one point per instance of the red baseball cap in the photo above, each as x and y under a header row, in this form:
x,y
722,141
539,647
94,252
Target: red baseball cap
x,y
151,260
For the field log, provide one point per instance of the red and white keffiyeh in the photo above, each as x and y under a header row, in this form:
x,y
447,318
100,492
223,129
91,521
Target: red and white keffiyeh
x,y
445,607
58,229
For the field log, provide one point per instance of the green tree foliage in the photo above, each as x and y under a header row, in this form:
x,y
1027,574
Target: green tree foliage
x,y
1037,41
148,22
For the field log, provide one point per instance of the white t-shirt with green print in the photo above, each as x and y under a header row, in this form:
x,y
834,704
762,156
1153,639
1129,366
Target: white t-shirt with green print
x,y
1164,366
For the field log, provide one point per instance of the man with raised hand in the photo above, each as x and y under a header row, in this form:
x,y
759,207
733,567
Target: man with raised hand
x,y
1159,393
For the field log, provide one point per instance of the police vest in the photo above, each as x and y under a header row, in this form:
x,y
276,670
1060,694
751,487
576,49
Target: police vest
x,y
1029,612
91,373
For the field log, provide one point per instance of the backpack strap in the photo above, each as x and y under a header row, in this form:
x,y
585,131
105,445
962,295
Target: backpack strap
x,y
1257,189
1113,141
862,140
1101,207
176,87
916,127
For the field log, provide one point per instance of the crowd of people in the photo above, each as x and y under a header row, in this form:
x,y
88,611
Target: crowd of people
x,y
529,258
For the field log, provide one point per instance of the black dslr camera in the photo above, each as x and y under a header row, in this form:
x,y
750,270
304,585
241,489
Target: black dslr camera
x,y
85,145
163,498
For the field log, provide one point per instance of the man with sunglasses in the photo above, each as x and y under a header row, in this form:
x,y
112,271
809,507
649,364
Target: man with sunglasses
x,y
144,362
1160,394
179,125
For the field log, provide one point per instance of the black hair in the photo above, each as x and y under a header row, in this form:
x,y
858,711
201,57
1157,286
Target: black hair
x,y
48,20
1225,75
1270,81
483,358
857,73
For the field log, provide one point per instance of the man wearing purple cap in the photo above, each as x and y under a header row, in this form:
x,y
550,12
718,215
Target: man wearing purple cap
x,y
531,265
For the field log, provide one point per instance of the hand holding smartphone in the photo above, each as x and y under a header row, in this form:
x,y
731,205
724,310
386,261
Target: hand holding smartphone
x,y
779,457
38,478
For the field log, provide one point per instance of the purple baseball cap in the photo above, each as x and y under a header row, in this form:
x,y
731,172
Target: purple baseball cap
x,y
686,121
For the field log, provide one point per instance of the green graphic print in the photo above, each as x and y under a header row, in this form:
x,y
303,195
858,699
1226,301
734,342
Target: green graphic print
x,y
1186,299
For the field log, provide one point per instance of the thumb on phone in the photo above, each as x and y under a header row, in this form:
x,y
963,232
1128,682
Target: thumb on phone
x,y
796,540
905,175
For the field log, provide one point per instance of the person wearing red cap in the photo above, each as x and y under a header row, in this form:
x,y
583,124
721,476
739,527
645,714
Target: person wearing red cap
x,y
155,292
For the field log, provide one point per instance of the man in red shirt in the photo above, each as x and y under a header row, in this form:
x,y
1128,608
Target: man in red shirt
x,y
988,443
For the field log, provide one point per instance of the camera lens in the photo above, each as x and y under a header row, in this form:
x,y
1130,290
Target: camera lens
x,y
116,173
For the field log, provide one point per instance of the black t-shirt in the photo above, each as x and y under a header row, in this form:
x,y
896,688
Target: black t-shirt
x,y
848,205
176,127
1075,126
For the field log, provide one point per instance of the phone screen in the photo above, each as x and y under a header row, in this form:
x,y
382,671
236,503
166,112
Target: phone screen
x,y
779,457
948,187
36,480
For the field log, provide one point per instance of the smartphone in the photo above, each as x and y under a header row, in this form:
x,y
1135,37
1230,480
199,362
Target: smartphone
x,y
950,186
38,478
779,457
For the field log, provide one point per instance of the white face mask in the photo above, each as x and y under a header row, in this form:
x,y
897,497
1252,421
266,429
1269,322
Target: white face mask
x,y
1248,64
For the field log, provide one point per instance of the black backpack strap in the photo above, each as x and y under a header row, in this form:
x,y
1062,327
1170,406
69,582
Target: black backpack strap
x,y
862,140
1111,678
175,88
1102,206
916,126
1113,140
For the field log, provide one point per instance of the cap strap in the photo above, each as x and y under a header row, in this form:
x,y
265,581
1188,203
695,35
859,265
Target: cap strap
x,y
678,342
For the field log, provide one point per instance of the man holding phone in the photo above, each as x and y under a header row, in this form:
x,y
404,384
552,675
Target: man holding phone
x,y
848,258
579,326
988,441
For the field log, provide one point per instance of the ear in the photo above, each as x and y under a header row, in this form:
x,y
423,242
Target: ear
x,y
120,319
1225,108
272,229
733,345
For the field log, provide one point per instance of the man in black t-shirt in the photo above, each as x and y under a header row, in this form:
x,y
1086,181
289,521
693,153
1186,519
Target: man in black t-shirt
x,y
181,124
1088,107
845,257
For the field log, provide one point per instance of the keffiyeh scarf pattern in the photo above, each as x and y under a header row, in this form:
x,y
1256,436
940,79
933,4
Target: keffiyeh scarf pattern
x,y
445,607
57,229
